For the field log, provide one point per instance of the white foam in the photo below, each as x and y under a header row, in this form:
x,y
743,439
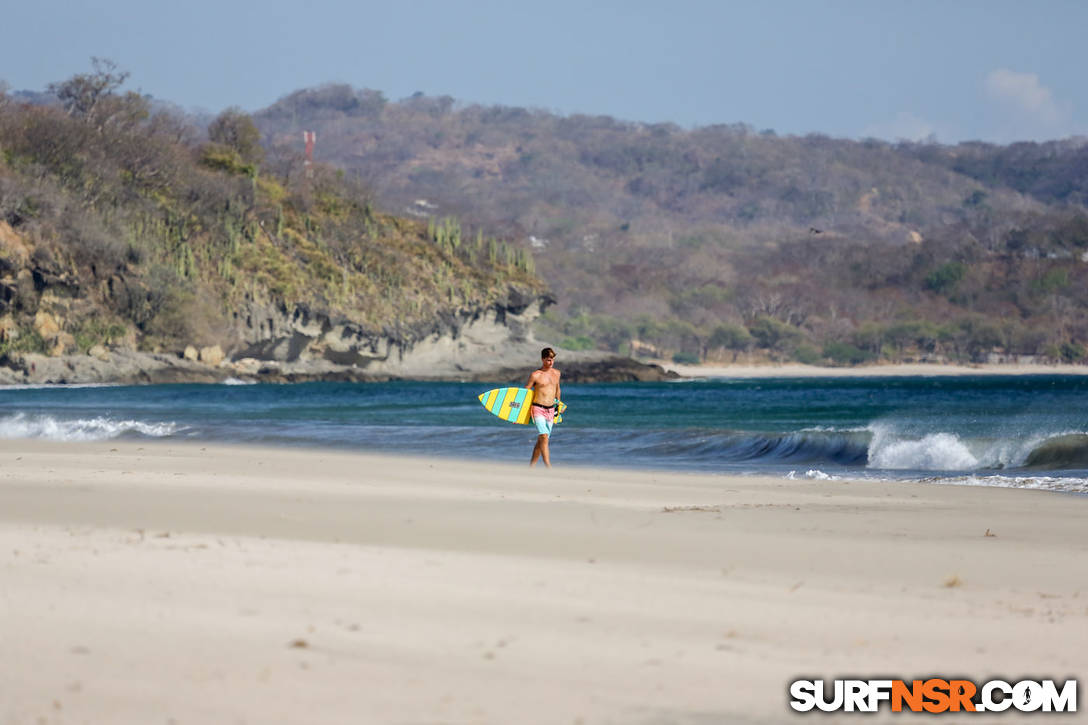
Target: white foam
x,y
813,474
933,452
1039,483
239,381
21,425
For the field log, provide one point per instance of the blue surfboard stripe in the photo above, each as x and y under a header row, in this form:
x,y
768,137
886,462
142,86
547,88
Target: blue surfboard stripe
x,y
517,403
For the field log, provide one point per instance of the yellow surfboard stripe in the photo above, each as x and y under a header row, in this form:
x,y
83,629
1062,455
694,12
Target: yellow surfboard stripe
x,y
504,410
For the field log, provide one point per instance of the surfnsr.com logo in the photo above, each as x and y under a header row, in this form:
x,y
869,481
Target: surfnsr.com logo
x,y
934,695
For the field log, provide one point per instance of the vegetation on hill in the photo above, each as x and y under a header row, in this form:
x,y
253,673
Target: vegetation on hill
x,y
124,226
724,242
1054,171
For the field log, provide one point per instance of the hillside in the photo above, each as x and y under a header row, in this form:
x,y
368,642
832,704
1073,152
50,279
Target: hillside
x,y
124,229
724,242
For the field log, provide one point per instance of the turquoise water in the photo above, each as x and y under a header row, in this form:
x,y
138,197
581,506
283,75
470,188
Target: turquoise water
x,y
1029,431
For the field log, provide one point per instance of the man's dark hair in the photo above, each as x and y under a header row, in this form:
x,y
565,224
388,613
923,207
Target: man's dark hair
x,y
546,353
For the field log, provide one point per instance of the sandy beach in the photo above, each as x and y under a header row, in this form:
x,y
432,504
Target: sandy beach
x,y
167,583
891,370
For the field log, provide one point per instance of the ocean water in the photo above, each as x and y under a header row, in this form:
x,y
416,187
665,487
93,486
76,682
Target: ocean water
x,y
1021,431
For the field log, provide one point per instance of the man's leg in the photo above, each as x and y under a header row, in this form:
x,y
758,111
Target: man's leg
x,y
543,428
536,451
540,450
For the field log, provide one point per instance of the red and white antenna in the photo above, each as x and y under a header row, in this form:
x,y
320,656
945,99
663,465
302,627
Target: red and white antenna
x,y
310,137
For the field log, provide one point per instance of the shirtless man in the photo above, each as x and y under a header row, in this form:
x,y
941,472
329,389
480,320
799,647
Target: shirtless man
x,y
545,386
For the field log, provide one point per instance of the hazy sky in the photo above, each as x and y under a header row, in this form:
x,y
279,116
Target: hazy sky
x,y
993,70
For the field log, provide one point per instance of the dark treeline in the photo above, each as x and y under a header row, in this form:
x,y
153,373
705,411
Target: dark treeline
x,y
724,241
122,223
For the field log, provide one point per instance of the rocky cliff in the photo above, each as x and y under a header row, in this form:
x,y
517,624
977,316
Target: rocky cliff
x,y
302,345
52,330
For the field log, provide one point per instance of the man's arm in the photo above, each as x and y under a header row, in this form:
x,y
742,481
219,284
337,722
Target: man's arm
x,y
531,385
557,376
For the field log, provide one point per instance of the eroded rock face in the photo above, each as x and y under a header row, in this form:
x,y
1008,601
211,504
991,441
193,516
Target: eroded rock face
x,y
459,341
211,355
118,366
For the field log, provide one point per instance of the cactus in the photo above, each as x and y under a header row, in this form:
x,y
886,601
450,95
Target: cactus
x,y
185,264
453,232
226,269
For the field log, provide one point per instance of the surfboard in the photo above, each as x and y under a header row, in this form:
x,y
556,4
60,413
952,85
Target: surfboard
x,y
513,404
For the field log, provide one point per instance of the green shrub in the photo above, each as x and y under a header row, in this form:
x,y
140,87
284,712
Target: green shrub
x,y
771,333
235,129
28,341
1072,352
870,336
807,354
946,277
1054,280
578,343
843,353
97,332
730,336
920,333
686,358
223,158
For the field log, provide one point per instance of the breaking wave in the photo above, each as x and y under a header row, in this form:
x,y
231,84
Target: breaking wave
x,y
1062,451
844,448
943,451
21,425
876,447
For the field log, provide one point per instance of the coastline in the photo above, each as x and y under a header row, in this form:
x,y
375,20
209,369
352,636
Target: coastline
x,y
798,370
123,367
150,581
502,364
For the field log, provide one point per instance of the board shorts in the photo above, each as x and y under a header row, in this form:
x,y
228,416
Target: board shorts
x,y
543,418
